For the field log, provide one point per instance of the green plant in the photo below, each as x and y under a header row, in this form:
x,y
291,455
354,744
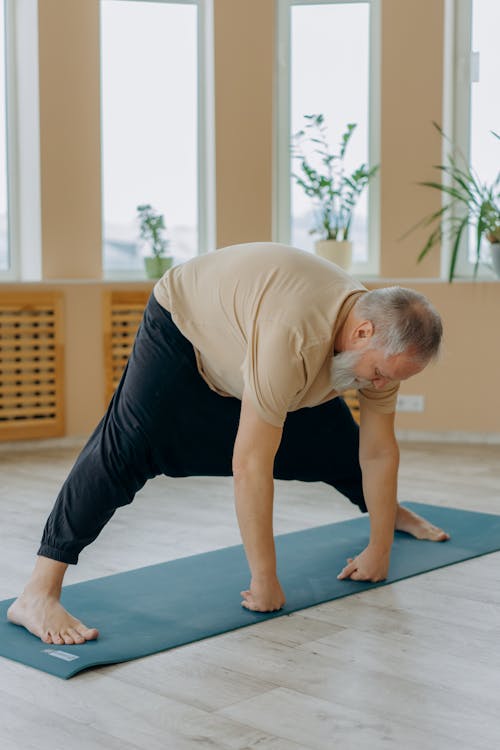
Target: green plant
x,y
152,226
323,178
470,203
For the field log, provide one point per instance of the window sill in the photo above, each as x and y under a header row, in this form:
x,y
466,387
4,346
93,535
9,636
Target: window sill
x,y
131,280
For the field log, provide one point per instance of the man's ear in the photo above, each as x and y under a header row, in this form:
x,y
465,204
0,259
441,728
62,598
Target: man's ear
x,y
363,332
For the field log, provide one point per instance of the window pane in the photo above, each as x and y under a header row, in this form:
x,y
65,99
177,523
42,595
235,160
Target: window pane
x,y
485,100
330,76
4,226
149,125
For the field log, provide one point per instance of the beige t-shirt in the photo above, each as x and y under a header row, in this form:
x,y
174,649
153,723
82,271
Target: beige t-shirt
x,y
264,316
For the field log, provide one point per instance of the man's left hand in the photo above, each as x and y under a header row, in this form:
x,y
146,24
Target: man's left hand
x,y
370,565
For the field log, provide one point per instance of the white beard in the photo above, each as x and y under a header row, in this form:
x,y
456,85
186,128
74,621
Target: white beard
x,y
342,373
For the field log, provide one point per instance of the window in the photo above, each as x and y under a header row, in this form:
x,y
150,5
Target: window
x,y
20,213
5,259
328,64
472,105
154,74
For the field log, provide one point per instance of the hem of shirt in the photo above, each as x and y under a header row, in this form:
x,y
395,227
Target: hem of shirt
x,y
273,420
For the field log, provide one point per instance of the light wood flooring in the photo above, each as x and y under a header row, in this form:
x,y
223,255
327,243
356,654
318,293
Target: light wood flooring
x,y
413,665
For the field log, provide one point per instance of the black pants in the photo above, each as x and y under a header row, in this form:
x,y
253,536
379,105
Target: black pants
x,y
164,419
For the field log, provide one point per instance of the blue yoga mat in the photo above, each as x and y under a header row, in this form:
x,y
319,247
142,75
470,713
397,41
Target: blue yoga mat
x,y
158,607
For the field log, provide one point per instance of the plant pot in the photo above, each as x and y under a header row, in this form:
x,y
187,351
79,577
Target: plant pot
x,y
156,266
495,257
339,252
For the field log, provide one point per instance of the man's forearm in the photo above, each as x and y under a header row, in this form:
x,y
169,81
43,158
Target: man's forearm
x,y
380,480
254,493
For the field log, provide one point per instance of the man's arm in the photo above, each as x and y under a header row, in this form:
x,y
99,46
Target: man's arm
x,y
379,459
255,448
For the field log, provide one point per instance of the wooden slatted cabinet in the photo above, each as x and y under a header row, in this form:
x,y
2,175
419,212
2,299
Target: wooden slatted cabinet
x,y
31,365
123,312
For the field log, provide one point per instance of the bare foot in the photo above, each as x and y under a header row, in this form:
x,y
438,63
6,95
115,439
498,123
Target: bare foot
x,y
46,618
418,527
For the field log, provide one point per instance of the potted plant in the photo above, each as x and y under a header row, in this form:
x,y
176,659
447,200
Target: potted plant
x,y
152,226
323,178
468,203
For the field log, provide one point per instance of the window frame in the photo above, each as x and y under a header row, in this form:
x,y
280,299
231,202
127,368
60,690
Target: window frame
x,y
23,141
11,273
205,138
282,129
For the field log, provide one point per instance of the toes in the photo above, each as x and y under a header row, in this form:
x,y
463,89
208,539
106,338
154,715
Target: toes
x,y
76,636
70,635
67,638
88,634
56,638
438,535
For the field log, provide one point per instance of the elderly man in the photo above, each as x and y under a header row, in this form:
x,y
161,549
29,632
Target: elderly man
x,y
236,369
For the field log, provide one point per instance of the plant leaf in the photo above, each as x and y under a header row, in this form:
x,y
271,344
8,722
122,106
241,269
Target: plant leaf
x,y
456,247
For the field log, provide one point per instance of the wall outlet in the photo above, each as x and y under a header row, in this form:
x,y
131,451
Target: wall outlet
x,y
410,403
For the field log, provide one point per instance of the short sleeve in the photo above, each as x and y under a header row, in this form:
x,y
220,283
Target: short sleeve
x,y
273,371
382,400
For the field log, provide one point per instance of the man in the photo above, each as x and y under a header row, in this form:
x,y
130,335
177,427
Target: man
x,y
236,369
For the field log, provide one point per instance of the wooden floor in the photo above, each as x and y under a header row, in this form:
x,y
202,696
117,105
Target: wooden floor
x,y
413,665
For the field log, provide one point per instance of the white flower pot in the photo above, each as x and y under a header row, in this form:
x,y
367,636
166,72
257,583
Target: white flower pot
x,y
339,252
495,257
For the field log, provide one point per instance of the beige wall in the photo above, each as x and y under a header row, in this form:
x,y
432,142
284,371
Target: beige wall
x,y
70,138
244,60
461,391
411,98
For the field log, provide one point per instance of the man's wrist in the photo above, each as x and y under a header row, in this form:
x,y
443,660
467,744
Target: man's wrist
x,y
263,574
382,546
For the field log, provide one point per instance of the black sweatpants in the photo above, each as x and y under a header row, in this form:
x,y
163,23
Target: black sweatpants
x,y
164,419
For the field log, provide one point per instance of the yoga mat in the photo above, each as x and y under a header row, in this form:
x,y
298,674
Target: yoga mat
x,y
158,607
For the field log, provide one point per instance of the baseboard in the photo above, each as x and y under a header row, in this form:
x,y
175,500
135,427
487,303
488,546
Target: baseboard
x,y
51,443
457,436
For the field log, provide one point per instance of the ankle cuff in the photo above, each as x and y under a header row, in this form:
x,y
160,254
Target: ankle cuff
x,y
59,555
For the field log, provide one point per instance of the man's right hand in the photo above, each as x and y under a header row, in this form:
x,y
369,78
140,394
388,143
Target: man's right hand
x,y
370,565
264,595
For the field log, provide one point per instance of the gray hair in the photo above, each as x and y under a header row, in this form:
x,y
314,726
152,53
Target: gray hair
x,y
403,320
